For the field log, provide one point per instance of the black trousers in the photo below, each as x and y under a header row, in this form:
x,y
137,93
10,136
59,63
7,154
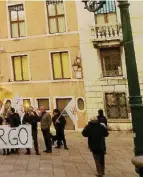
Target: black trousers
x,y
60,137
47,139
99,159
35,141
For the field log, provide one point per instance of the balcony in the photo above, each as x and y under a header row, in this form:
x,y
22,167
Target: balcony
x,y
106,33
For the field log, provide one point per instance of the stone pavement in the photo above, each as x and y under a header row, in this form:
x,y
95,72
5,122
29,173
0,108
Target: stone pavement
x,y
77,162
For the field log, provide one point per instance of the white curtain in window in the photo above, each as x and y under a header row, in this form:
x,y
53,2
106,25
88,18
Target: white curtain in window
x,y
61,22
14,29
21,15
13,15
60,8
53,25
51,10
22,29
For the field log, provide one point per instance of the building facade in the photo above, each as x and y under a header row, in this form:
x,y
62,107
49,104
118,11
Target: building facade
x,y
103,60
39,43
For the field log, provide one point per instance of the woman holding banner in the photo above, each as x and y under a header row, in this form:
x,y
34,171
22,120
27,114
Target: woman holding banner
x,y
59,124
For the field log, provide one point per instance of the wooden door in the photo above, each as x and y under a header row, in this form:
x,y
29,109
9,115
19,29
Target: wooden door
x,y
61,103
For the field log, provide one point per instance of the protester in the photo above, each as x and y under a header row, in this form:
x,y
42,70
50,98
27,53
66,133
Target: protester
x,y
45,128
102,119
59,124
14,121
5,151
95,132
32,118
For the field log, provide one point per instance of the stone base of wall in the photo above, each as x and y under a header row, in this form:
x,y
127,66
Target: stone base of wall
x,y
125,126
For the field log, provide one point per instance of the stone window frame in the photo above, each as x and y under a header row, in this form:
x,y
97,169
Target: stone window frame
x,y
55,16
16,7
77,104
102,53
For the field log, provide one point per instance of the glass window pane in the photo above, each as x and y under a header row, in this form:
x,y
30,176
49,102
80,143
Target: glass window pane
x,y
21,15
13,15
60,8
17,68
66,65
53,25
57,66
15,30
22,29
51,10
61,23
43,102
80,103
25,68
26,103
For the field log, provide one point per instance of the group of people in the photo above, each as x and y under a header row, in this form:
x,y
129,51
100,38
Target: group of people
x,y
32,117
96,131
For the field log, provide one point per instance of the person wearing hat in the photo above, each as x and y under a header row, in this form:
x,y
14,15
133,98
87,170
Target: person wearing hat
x,y
96,133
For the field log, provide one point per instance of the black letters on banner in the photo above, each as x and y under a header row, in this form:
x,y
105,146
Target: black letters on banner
x,y
9,139
20,137
1,135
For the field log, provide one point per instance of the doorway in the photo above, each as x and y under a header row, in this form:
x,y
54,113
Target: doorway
x,y
61,103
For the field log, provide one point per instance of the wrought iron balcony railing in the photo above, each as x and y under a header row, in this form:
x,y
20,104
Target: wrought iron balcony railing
x,y
113,73
106,32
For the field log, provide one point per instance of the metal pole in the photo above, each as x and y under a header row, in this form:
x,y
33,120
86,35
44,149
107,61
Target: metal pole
x,y
135,98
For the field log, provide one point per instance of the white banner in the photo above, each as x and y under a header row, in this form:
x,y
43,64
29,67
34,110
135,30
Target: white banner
x,y
19,137
71,111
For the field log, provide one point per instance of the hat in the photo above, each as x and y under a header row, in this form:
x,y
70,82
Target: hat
x,y
93,118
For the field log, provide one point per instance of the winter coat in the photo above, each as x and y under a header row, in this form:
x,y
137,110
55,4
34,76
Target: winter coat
x,y
14,120
32,120
45,121
61,124
102,119
96,133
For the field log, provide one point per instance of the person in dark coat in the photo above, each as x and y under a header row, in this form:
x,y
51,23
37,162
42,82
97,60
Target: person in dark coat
x,y
32,118
102,119
95,132
59,123
14,121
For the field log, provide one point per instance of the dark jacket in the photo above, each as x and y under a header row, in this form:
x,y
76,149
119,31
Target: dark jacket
x,y
61,124
95,132
14,120
102,119
1,120
32,120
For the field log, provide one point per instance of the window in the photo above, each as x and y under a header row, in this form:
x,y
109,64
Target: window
x,y
111,62
26,103
107,14
17,21
60,65
80,104
108,7
20,68
116,105
56,17
43,102
61,103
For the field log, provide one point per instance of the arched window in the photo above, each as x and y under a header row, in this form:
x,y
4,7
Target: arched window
x,y
80,104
